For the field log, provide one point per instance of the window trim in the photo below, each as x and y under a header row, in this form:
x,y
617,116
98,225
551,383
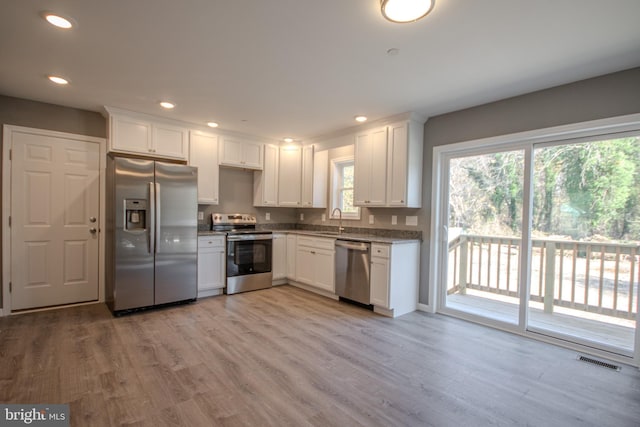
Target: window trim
x,y
336,166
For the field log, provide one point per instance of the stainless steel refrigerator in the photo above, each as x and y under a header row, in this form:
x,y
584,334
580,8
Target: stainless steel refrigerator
x,y
152,233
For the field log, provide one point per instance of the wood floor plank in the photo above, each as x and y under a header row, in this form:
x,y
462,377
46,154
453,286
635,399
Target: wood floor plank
x,y
287,357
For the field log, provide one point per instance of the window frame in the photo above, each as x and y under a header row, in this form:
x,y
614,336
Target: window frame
x,y
337,166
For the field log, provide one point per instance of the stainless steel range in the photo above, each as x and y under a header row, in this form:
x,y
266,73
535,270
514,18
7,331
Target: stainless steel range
x,y
249,252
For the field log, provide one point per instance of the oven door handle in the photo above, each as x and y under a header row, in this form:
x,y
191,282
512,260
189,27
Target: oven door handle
x,y
237,238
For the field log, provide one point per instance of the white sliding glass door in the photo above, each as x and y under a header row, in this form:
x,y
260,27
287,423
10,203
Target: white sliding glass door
x,y
484,234
539,233
585,246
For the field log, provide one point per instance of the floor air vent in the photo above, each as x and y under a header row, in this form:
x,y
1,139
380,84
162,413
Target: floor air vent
x,y
599,363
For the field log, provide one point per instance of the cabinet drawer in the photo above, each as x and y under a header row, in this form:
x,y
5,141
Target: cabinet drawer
x,y
316,242
210,242
305,241
381,251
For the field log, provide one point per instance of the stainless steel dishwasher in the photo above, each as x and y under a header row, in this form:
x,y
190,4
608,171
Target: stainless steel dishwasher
x,y
353,261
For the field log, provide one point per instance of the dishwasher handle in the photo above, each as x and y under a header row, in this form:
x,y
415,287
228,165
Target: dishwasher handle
x,y
356,246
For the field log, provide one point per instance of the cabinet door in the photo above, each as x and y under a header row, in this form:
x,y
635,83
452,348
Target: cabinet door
x,y
252,155
371,168
378,177
221,266
211,264
203,154
324,266
305,270
362,171
265,182
290,176
397,157
306,198
170,141
291,256
231,152
130,135
279,256
379,282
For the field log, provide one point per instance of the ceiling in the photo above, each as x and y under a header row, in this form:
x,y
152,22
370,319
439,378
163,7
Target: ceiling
x,y
302,68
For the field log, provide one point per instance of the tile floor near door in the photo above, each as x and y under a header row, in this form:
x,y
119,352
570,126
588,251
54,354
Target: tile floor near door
x,y
284,356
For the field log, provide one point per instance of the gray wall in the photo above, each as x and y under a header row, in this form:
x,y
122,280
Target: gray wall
x,y
611,95
22,112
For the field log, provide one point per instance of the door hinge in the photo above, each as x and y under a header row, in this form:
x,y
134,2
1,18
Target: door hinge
x,y
10,287
9,220
10,154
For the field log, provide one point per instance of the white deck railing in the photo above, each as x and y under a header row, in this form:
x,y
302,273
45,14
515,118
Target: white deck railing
x,y
590,276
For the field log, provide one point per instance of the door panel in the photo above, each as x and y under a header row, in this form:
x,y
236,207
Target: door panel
x,y
176,234
55,190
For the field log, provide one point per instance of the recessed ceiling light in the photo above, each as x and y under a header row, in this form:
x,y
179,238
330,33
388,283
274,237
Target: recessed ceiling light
x,y
361,119
58,80
168,105
212,124
287,140
58,20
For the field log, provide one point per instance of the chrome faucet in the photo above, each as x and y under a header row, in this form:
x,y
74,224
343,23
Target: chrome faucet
x,y
340,227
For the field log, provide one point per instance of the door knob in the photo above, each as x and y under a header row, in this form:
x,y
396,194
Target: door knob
x,y
93,230
92,219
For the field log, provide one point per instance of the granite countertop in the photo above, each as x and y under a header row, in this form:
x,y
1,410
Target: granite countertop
x,y
361,236
357,237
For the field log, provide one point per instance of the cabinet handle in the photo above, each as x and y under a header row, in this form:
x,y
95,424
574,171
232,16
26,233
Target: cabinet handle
x,y
313,252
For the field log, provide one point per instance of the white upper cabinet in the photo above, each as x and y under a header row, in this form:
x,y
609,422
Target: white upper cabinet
x,y
388,166
265,182
371,168
404,167
136,133
315,170
241,153
290,176
203,154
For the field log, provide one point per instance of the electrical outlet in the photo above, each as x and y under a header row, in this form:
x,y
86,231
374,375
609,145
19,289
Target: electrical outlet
x,y
371,219
200,216
324,217
267,216
301,217
394,219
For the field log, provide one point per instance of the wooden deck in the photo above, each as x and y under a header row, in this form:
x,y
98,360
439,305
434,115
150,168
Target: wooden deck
x,y
606,330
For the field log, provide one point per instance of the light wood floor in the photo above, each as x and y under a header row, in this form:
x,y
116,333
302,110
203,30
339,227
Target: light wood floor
x,y
286,357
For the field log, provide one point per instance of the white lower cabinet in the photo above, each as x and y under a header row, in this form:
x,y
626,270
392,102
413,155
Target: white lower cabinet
x,y
292,243
395,277
211,265
315,262
279,259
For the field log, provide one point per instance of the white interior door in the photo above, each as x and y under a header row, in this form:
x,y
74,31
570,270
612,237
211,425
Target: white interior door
x,y
55,193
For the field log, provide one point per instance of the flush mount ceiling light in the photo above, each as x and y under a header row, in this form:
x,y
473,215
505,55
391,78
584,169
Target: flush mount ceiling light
x,y
168,105
403,11
58,80
288,140
360,119
212,124
58,20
